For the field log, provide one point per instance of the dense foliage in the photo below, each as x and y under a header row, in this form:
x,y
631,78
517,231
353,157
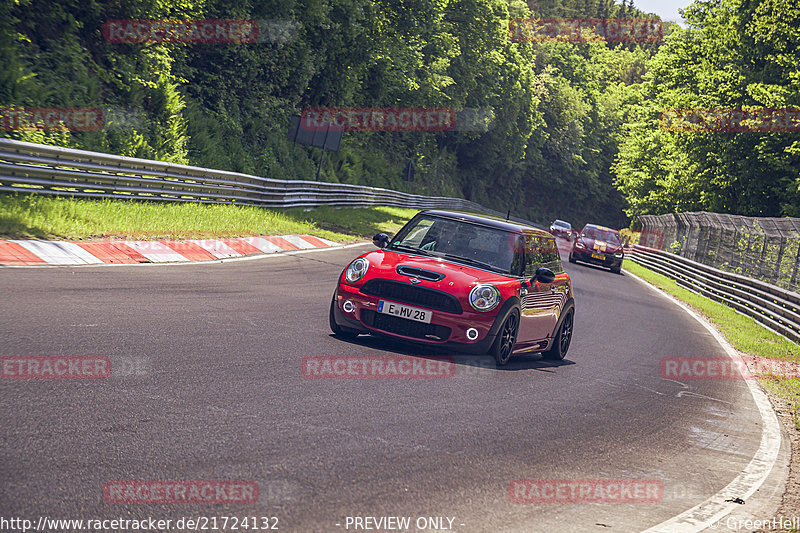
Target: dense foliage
x,y
556,109
736,54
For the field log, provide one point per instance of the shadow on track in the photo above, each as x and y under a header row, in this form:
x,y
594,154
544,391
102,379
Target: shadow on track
x,y
527,361
589,265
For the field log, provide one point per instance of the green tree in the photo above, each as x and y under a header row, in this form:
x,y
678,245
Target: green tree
x,y
737,54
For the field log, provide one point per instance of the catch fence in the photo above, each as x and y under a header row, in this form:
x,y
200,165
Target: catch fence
x,y
766,249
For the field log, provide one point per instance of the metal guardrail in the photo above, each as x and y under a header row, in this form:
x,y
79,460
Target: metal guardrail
x,y
31,168
772,306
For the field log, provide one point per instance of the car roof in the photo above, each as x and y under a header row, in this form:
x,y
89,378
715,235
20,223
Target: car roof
x,y
486,220
604,228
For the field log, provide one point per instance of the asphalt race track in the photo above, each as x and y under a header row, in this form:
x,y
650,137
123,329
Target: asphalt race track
x,y
207,385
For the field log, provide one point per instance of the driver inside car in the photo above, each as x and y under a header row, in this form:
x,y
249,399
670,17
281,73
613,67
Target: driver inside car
x,y
461,243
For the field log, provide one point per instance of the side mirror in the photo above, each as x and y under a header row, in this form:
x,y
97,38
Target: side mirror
x,y
543,275
381,240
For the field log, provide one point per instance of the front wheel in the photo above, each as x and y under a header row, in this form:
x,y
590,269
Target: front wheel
x,y
503,345
561,339
617,270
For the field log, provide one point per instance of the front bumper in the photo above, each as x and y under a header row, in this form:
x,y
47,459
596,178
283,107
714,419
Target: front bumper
x,y
364,318
589,256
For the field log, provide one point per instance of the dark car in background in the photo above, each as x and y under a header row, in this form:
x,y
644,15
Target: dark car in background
x,y
469,283
598,245
562,229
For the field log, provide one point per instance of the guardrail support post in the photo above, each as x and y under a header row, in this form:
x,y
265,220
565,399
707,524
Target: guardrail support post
x,y
321,158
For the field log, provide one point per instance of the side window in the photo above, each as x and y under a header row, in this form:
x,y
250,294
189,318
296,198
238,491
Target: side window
x,y
551,256
532,256
518,262
541,252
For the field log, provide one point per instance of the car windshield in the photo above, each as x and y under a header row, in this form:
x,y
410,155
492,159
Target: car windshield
x,y
562,224
598,234
458,241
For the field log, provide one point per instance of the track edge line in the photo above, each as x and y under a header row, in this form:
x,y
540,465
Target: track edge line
x,y
714,508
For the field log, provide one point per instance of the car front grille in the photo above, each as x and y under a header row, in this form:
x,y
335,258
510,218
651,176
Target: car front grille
x,y
404,327
409,294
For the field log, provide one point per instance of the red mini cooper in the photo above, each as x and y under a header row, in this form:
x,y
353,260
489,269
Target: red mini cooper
x,y
469,283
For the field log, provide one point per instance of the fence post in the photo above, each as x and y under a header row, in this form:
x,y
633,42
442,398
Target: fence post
x,y
746,261
781,248
734,257
793,281
717,251
762,256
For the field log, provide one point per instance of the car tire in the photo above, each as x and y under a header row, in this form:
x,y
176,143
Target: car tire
x,y
562,339
339,331
616,270
503,345
571,258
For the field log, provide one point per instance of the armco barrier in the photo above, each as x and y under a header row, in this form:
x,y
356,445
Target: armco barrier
x,y
31,168
772,306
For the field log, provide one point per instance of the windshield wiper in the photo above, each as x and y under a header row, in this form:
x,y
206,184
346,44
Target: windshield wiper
x,y
410,249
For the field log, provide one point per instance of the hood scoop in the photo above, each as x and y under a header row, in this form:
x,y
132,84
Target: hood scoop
x,y
419,273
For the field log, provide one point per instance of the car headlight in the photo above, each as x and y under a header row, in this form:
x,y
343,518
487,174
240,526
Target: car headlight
x,y
618,255
484,297
579,244
356,270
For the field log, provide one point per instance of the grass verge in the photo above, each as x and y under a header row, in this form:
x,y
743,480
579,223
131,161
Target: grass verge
x,y
43,217
744,333
363,222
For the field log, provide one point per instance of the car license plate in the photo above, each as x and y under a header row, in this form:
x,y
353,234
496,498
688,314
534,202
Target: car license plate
x,y
599,256
404,311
